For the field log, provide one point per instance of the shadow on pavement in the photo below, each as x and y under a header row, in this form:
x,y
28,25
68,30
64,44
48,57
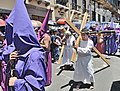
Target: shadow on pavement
x,y
73,85
97,56
117,56
66,68
115,86
101,69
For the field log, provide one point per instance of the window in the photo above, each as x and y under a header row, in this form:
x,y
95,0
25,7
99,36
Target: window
x,y
74,4
98,5
119,4
93,16
99,17
103,18
63,2
84,6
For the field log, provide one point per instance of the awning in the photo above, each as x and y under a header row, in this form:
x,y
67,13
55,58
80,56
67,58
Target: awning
x,y
36,23
2,23
61,21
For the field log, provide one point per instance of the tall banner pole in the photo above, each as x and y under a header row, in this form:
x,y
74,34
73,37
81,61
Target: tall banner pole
x,y
62,49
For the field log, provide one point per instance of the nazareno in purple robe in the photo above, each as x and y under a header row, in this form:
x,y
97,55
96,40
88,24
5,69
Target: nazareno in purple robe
x,y
41,33
111,44
6,50
30,66
114,45
31,71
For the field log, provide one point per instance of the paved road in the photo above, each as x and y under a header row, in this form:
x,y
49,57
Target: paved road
x,y
105,80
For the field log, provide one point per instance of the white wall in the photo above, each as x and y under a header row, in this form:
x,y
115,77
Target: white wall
x,y
33,10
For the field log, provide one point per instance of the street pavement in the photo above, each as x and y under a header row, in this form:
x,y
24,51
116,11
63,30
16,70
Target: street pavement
x,y
107,79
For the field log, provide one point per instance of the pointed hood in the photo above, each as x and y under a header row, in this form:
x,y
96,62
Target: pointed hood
x,y
98,28
111,26
24,34
9,47
102,27
87,25
43,28
9,28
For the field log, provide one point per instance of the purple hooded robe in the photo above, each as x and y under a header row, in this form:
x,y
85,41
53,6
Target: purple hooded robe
x,y
41,34
30,67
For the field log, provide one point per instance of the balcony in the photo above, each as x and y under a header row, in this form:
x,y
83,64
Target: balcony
x,y
62,5
107,5
38,2
114,3
46,2
75,6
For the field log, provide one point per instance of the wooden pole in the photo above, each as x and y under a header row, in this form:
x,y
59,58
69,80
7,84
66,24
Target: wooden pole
x,y
84,21
103,58
63,46
82,26
74,55
61,53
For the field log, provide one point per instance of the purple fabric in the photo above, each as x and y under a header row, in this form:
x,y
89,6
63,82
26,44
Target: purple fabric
x,y
9,47
102,27
87,25
49,69
41,34
3,75
111,23
9,28
9,33
111,45
114,44
43,28
23,29
98,28
30,67
33,72
118,34
3,82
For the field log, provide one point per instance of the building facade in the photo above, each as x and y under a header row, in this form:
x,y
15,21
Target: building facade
x,y
98,10
112,6
6,7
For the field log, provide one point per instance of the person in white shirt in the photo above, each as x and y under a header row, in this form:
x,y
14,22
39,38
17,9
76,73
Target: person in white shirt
x,y
68,39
